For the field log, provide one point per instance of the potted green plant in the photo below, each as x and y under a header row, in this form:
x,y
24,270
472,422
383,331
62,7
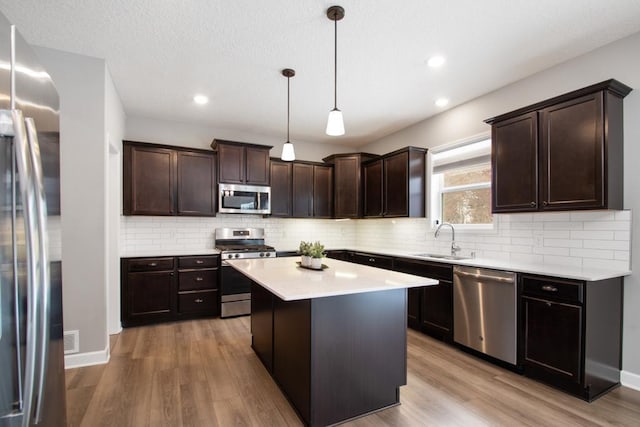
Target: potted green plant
x,y
316,252
305,253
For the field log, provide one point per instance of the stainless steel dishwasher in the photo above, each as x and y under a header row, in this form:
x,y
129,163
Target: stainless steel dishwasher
x,y
484,311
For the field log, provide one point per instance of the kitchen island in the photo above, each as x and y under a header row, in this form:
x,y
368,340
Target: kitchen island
x,y
334,340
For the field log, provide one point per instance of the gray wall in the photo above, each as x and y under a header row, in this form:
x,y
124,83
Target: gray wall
x,y
619,60
198,136
81,84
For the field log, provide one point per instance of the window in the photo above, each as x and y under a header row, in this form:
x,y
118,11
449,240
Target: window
x,y
461,184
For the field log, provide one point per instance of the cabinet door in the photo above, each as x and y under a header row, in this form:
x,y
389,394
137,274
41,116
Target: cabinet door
x,y
302,189
151,296
322,191
196,183
396,185
373,191
437,310
257,170
149,181
572,174
552,338
347,197
514,164
231,160
280,189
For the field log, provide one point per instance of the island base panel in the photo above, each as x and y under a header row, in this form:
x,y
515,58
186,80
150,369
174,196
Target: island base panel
x,y
340,357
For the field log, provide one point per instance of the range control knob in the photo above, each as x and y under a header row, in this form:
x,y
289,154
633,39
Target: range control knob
x,y
267,254
237,255
261,254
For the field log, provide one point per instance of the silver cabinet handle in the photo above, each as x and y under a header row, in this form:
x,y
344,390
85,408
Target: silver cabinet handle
x,y
372,260
549,288
199,261
199,279
153,264
198,300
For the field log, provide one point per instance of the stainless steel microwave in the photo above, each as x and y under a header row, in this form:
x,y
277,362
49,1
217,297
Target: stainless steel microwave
x,y
248,199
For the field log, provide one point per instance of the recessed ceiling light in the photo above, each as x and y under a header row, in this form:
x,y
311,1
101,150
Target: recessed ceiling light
x,y
442,102
200,99
436,61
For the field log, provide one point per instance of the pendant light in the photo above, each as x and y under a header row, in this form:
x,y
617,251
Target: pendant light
x,y
335,123
288,154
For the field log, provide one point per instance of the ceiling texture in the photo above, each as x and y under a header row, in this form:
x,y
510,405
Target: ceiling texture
x,y
162,52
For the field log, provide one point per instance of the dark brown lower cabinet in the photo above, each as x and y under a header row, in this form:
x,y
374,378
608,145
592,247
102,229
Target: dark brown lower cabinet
x,y
430,308
571,333
168,288
335,358
380,261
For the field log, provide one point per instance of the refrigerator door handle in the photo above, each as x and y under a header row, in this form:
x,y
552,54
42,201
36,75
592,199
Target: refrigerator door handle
x,y
44,279
27,191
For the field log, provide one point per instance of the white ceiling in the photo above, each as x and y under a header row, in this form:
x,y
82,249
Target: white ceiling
x,y
160,53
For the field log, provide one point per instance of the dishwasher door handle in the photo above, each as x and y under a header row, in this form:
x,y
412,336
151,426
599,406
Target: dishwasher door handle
x,y
485,277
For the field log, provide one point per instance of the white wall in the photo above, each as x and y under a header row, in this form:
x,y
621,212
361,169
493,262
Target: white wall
x,y
114,131
81,85
619,60
198,136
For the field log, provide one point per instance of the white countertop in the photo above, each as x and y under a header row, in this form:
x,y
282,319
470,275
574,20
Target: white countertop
x,y
285,279
562,271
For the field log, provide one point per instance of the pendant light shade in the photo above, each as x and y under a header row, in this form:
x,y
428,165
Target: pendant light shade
x,y
335,123
288,153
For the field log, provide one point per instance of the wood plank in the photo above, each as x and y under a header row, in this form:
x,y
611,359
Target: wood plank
x,y
204,373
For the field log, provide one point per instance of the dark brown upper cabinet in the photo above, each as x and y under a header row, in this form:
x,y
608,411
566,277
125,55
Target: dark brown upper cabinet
x,y
242,163
281,183
394,186
561,154
312,190
348,196
163,180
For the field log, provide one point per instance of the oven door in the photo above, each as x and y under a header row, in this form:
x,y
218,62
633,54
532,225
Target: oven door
x,y
235,288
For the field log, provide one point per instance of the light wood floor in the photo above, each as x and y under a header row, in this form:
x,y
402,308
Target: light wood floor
x,y
204,373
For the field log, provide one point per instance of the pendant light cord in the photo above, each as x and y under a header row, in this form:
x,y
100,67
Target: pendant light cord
x,y
335,63
288,106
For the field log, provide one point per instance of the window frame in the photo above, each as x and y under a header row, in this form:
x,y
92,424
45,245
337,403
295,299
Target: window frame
x,y
434,196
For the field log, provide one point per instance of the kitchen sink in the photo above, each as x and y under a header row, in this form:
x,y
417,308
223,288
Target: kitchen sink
x,y
442,256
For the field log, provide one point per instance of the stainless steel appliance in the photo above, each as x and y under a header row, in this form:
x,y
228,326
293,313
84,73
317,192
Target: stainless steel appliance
x,y
484,311
32,389
248,199
238,243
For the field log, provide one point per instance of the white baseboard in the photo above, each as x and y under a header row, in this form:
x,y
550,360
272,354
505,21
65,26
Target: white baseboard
x,y
86,359
629,379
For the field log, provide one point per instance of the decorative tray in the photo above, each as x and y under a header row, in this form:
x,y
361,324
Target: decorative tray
x,y
324,266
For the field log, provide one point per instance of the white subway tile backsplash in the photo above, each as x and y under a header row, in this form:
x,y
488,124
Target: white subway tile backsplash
x,y
563,238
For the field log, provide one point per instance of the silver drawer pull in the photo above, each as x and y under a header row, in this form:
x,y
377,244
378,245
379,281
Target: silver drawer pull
x,y
199,279
153,264
198,300
372,260
549,288
199,261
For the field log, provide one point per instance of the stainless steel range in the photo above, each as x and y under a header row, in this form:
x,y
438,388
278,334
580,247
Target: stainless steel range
x,y
238,243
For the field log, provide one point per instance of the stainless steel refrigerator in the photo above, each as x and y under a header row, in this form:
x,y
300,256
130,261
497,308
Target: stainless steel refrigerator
x,y
32,389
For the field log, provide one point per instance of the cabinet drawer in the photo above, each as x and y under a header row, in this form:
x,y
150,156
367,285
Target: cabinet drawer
x,y
205,261
373,260
553,289
432,270
198,279
150,264
198,302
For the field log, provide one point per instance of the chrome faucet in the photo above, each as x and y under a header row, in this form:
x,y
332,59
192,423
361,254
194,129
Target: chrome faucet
x,y
454,247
